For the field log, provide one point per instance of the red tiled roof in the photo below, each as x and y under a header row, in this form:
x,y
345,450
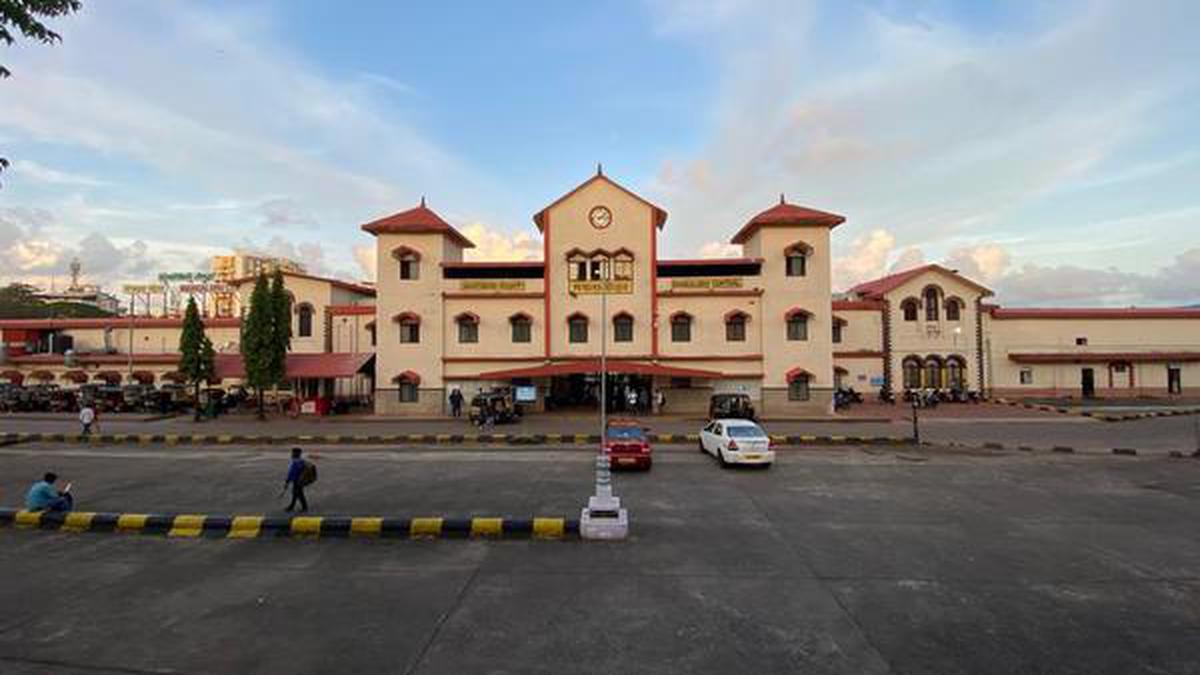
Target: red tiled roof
x,y
1102,357
320,365
593,366
784,213
417,220
850,305
337,283
660,216
876,288
114,322
1095,313
86,358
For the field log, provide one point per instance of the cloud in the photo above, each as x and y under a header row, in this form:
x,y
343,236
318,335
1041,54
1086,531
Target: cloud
x,y
310,254
500,246
720,249
984,262
364,255
866,259
909,258
43,174
223,126
940,130
30,253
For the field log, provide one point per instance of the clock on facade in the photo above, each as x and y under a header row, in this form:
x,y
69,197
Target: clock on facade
x,y
600,217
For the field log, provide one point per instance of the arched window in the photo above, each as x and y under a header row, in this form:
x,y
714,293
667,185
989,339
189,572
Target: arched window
x,y
796,259
798,385
623,264
797,325
956,373
522,327
954,308
932,297
681,327
909,307
623,327
304,320
735,326
468,327
410,327
912,372
408,385
577,328
933,373
409,260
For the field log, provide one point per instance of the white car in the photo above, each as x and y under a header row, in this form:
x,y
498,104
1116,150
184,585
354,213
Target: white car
x,y
734,441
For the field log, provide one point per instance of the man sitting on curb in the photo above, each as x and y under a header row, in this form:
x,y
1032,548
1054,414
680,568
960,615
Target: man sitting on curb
x,y
43,497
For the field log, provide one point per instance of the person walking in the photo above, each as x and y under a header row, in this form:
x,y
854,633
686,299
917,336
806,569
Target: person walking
x,y
456,402
660,401
301,473
87,417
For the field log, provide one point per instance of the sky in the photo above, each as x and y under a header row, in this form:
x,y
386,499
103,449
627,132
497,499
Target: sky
x,y
1049,150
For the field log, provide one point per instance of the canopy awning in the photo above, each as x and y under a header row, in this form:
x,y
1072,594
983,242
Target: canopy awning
x,y
143,376
1103,357
316,366
13,376
109,376
590,366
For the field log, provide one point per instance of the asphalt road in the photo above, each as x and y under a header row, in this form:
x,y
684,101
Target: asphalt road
x,y
847,561
1159,435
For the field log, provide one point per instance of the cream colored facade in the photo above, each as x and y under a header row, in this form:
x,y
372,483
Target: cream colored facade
x,y
766,324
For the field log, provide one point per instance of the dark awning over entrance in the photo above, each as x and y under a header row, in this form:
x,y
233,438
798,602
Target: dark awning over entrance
x,y
589,366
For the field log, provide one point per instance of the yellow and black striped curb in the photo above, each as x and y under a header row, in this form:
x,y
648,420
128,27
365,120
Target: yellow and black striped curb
x,y
412,439
259,526
1104,416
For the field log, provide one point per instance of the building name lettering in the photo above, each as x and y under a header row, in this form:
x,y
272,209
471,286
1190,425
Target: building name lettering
x,y
713,284
477,285
611,287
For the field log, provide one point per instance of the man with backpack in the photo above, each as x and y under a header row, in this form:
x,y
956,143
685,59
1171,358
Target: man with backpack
x,y
301,473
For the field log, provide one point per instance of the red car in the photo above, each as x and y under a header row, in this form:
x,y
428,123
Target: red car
x,y
627,446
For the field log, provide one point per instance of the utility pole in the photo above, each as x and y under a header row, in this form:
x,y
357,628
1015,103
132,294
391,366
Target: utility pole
x,y
603,517
916,403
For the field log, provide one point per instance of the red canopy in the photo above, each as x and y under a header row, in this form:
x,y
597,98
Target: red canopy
x,y
13,376
318,366
593,366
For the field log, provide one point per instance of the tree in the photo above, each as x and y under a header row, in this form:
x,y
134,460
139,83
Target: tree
x,y
20,301
24,16
257,336
196,357
281,328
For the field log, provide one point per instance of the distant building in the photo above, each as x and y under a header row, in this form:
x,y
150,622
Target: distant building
x,y
229,268
84,294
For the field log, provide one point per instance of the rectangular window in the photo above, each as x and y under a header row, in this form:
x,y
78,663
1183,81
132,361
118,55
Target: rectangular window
x,y
596,270
623,269
578,332
681,331
797,265
837,332
410,333
797,329
468,331
1027,376
408,269
1080,342
521,331
735,331
408,392
798,389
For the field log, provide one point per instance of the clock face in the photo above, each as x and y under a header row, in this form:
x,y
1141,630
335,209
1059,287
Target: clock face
x,y
600,217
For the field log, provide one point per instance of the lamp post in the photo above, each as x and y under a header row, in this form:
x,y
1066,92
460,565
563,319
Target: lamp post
x,y
603,517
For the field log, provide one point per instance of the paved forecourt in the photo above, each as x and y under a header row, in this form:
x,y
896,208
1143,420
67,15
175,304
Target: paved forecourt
x,y
868,560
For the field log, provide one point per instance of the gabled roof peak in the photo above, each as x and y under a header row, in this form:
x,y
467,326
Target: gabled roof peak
x,y
660,215
417,220
784,213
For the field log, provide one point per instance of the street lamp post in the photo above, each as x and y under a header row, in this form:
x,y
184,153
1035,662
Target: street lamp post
x,y
603,517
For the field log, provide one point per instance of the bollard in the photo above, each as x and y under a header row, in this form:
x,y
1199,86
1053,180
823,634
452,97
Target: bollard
x,y
603,517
